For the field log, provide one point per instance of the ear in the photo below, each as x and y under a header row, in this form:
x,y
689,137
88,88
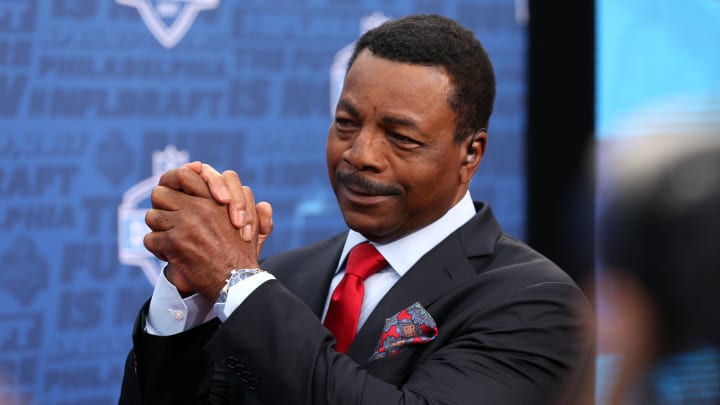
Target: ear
x,y
475,150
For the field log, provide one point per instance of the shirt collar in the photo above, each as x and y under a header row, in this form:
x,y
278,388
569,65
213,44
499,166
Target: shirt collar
x,y
403,253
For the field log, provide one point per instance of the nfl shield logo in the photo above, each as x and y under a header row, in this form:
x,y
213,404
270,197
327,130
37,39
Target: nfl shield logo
x,y
131,214
169,20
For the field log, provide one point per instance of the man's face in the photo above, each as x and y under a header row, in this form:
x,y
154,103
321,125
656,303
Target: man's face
x,y
392,160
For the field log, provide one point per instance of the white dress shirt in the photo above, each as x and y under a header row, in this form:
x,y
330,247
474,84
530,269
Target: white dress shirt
x,y
170,314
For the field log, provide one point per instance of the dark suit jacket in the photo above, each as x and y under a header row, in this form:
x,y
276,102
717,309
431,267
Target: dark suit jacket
x,y
513,329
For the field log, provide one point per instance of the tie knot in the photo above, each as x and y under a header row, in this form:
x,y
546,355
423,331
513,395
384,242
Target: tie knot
x,y
364,260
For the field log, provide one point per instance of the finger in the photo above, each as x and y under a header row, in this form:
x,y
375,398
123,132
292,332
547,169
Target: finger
x,y
152,243
250,216
236,208
265,223
159,220
195,166
216,183
263,210
186,180
162,198
168,199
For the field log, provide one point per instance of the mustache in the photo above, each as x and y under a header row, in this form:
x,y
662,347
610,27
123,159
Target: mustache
x,y
366,186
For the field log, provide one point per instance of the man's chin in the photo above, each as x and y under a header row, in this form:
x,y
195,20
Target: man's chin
x,y
367,225
376,228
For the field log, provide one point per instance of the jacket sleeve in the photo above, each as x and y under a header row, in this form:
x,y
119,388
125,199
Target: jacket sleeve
x,y
524,349
168,369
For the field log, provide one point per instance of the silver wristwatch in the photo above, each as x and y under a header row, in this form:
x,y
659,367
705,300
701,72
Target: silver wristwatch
x,y
236,275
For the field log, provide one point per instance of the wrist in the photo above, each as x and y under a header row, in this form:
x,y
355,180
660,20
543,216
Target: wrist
x,y
178,281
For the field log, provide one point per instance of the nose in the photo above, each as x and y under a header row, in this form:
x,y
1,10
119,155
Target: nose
x,y
367,152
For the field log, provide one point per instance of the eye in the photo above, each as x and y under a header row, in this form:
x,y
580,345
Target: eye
x,y
344,124
403,140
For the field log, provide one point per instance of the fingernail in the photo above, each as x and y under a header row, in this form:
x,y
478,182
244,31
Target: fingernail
x,y
247,232
210,168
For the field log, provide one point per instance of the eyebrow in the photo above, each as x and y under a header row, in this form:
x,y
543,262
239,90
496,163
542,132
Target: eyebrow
x,y
347,107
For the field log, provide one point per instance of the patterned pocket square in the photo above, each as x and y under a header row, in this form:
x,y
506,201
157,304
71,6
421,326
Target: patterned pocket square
x,y
412,325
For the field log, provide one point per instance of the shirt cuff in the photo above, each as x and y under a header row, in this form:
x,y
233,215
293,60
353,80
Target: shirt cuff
x,y
238,293
170,314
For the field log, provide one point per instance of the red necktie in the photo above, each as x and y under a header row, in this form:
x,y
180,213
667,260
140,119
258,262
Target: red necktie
x,y
344,310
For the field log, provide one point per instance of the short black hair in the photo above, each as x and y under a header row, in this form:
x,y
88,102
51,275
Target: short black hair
x,y
434,40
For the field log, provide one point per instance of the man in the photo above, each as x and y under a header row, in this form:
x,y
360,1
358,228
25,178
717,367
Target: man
x,y
458,312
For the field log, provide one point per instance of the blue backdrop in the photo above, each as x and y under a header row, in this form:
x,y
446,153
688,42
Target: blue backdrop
x,y
99,97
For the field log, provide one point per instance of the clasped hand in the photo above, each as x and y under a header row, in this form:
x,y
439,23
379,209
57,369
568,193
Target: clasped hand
x,y
205,224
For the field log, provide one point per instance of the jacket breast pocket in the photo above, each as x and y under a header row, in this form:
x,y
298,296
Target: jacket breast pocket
x,y
395,369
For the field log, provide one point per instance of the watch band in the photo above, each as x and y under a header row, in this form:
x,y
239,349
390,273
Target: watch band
x,y
236,275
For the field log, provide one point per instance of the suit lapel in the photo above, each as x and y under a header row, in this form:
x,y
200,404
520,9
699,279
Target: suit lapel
x,y
438,271
312,283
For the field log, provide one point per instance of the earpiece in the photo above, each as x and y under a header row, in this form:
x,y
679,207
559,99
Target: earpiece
x,y
471,152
